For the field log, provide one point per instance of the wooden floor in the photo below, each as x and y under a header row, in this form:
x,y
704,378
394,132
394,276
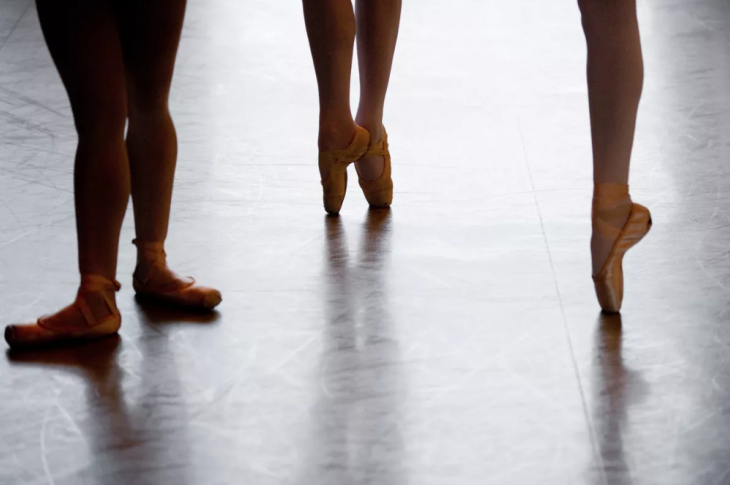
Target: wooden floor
x,y
453,340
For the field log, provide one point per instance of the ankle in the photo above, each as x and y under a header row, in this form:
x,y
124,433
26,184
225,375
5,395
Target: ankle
x,y
102,302
611,200
611,211
610,194
148,253
335,136
374,125
370,119
143,264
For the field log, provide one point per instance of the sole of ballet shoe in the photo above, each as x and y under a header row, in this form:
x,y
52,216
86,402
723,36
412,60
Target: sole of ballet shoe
x,y
174,299
609,282
33,336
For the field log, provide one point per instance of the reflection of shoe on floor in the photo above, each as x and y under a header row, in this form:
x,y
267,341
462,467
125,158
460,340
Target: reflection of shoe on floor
x,y
95,357
92,315
154,281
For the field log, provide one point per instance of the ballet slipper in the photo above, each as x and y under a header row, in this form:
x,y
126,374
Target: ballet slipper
x,y
154,281
378,192
76,322
609,280
334,186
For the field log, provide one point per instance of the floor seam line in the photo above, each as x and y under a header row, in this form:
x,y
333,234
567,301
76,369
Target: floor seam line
x,y
586,414
12,31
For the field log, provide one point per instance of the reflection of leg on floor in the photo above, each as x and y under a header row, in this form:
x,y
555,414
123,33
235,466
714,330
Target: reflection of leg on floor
x,y
126,439
378,420
355,433
103,422
616,388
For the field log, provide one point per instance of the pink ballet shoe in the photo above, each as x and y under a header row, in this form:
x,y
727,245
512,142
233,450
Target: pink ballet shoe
x,y
378,192
335,162
156,282
76,322
609,281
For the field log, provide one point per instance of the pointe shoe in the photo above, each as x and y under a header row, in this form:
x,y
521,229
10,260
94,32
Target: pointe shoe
x,y
609,281
335,162
379,192
154,285
66,326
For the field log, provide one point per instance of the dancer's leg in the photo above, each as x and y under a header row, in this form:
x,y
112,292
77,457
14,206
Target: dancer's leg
x,y
377,31
150,33
331,31
615,77
83,40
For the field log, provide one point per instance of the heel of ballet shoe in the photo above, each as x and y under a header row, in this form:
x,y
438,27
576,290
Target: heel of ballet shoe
x,y
335,162
609,282
175,291
50,331
379,192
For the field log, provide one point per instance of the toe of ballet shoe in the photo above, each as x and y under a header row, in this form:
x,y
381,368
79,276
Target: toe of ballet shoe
x,y
32,335
212,299
609,292
381,198
608,304
28,335
10,335
333,203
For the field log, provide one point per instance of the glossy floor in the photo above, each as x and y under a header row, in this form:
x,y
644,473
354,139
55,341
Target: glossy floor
x,y
452,340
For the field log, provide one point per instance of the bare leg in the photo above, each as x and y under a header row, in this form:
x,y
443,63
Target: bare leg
x,y
150,33
83,40
377,32
331,31
615,77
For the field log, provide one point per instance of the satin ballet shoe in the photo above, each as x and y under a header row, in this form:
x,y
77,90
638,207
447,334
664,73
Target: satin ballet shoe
x,y
153,281
609,281
334,187
76,322
378,192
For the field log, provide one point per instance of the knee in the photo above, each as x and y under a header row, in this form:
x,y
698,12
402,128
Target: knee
x,y
148,96
146,105
148,110
101,118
